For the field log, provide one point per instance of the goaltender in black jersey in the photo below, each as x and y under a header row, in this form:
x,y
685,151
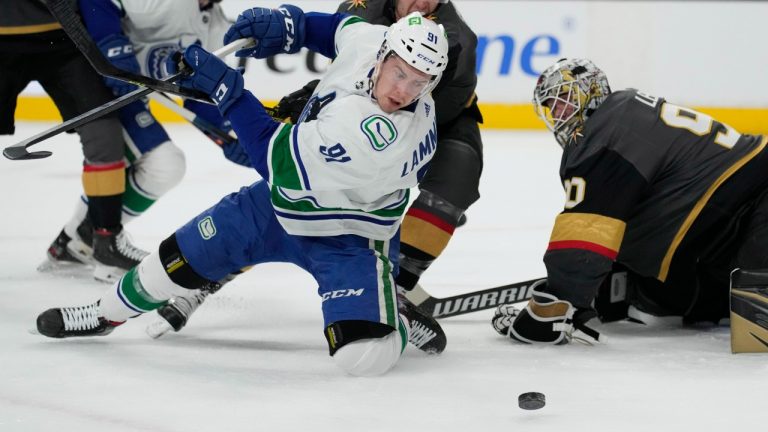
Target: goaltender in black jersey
x,y
669,193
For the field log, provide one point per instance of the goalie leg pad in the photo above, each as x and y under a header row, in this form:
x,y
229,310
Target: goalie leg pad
x,y
749,311
363,348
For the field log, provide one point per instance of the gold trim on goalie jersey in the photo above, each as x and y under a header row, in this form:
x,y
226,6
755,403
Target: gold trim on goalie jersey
x,y
688,222
592,232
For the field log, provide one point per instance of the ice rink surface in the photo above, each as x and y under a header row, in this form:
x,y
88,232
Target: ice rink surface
x,y
253,358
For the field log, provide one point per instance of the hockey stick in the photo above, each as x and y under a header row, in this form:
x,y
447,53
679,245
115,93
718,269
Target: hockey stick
x,y
472,301
64,12
19,151
217,135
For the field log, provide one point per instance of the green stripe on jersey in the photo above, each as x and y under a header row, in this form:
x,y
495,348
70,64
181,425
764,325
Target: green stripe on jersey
x,y
284,171
308,206
386,272
352,20
135,294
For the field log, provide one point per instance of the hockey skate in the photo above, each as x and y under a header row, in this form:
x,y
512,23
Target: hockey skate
x,y
74,321
114,254
175,314
425,334
70,251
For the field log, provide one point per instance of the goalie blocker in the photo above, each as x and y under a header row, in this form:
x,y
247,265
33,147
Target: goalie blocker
x,y
749,311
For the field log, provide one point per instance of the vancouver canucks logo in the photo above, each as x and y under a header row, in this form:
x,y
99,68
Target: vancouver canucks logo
x,y
207,228
380,131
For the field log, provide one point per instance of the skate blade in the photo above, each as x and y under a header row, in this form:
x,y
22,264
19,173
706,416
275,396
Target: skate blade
x,y
108,274
158,328
65,269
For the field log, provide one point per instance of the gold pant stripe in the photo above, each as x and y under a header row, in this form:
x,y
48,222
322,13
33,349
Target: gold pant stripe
x,y
424,236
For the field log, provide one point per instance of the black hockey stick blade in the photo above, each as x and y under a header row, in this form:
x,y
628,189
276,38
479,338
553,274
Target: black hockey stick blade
x,y
70,21
472,301
19,151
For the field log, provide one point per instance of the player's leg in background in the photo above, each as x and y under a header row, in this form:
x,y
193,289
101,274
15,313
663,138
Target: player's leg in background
x,y
15,77
156,164
75,88
226,237
447,190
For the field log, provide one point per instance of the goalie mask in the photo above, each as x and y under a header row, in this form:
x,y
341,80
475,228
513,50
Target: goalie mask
x,y
420,43
566,94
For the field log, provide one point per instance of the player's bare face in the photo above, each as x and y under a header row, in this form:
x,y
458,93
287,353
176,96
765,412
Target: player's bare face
x,y
398,84
404,7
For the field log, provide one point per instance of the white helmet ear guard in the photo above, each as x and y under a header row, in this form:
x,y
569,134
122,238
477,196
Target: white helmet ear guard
x,y
419,42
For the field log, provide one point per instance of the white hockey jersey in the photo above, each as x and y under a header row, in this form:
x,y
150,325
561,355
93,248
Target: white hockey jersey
x,y
159,27
346,167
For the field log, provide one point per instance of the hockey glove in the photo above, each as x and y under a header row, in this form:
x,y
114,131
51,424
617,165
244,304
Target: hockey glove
x,y
275,31
118,49
292,105
210,75
546,319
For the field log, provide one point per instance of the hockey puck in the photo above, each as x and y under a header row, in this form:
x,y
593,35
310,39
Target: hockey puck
x,y
531,401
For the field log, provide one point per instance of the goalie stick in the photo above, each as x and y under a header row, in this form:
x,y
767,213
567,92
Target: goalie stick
x,y
19,151
64,12
472,301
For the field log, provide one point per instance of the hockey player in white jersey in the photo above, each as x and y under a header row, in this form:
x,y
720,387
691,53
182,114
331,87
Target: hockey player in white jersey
x,y
335,185
137,36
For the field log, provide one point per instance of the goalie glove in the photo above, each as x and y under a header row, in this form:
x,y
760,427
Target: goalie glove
x,y
291,106
545,320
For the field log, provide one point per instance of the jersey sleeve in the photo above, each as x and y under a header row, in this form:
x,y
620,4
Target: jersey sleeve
x,y
350,29
601,193
101,17
329,153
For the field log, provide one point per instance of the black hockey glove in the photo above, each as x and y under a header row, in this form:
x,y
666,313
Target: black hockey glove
x,y
291,106
545,320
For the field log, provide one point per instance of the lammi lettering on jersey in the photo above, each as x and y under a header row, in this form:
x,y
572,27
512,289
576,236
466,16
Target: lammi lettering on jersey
x,y
426,147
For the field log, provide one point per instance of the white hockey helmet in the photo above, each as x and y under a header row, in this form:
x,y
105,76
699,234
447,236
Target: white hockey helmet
x,y
566,94
421,43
